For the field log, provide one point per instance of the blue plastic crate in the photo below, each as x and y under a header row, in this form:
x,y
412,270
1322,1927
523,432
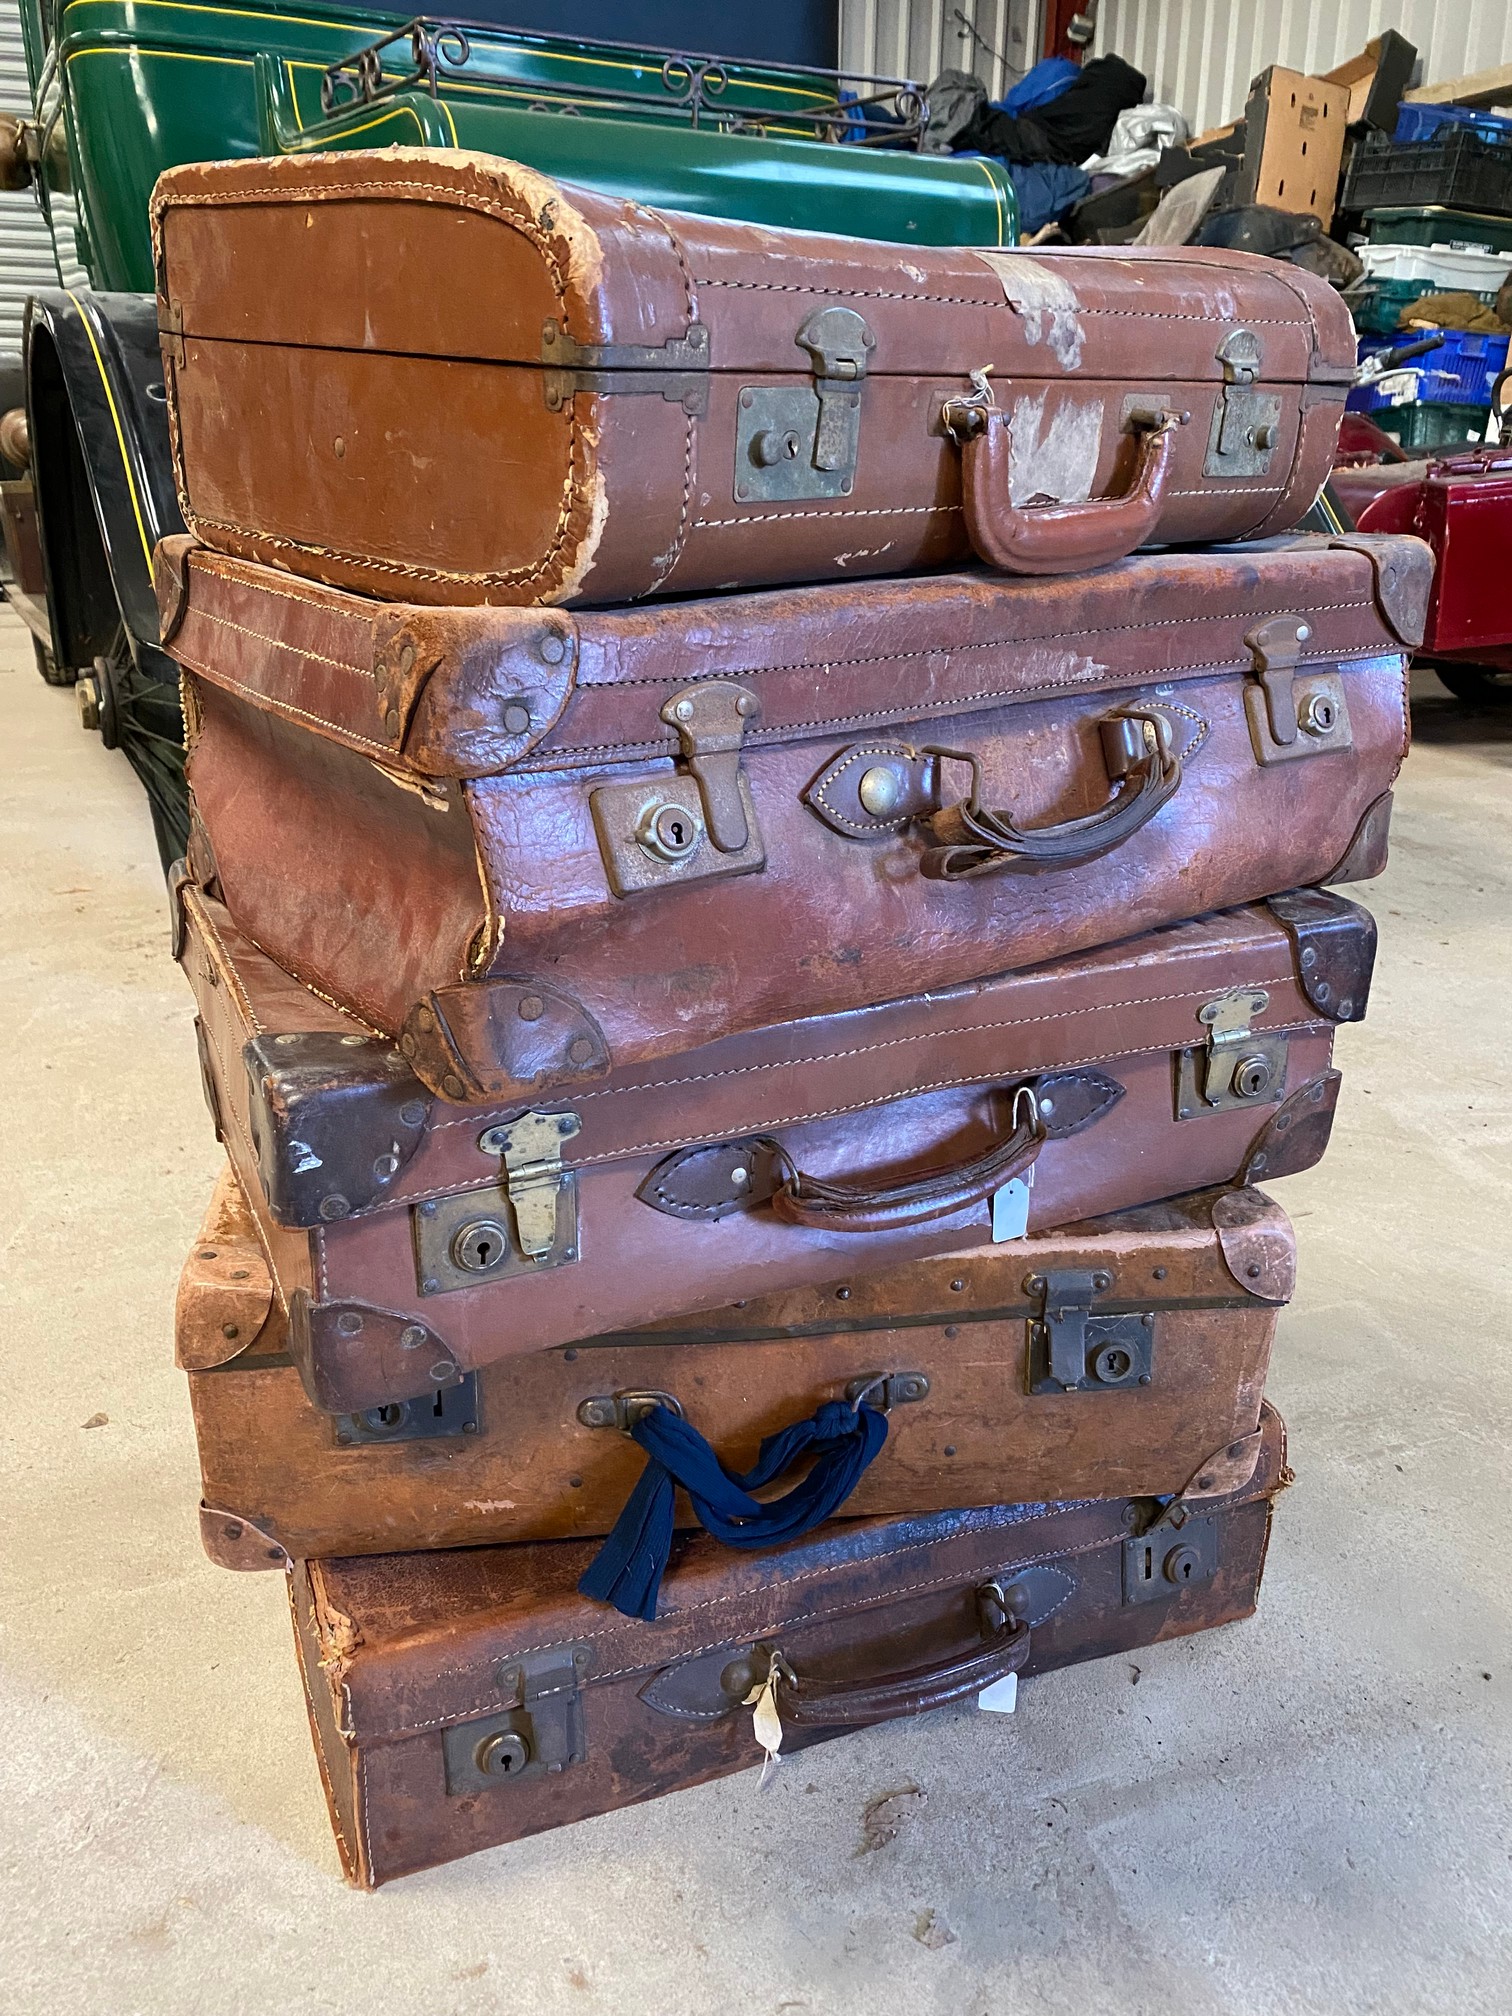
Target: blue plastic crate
x,y
1459,372
1423,122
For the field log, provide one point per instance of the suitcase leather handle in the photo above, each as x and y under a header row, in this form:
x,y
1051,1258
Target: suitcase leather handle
x,y
1052,538
819,1704
821,1206
972,839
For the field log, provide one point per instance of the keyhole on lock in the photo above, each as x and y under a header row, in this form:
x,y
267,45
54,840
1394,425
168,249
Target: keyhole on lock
x,y
669,831
1181,1565
1113,1363
480,1245
502,1755
385,1418
1317,714
773,445
1252,1076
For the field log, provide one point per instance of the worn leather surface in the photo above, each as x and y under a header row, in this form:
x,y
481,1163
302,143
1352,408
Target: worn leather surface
x,y
407,448
535,1471
881,1094
387,870
396,1649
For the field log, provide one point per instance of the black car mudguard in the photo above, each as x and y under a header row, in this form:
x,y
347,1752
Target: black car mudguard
x,y
103,473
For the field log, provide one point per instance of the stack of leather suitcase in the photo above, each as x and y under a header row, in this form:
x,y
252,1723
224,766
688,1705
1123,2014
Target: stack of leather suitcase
x,y
751,952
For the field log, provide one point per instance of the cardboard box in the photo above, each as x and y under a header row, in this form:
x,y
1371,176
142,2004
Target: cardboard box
x,y
1294,142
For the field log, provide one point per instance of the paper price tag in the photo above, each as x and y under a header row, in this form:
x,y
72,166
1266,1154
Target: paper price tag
x,y
1001,1698
1010,1209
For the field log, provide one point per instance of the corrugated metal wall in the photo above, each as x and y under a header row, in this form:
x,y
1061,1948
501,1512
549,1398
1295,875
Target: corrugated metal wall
x,y
26,254
920,38
1201,54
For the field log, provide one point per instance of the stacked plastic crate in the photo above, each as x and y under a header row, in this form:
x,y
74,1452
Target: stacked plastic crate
x,y
1435,203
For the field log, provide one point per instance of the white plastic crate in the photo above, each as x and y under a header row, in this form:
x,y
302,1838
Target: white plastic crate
x,y
1444,270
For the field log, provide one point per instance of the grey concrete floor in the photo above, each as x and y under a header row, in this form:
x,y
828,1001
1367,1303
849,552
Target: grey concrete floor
x,y
1305,1812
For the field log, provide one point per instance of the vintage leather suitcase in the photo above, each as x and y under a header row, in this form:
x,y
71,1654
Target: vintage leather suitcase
x,y
1108,1359
473,385
464,1699
474,830
413,1241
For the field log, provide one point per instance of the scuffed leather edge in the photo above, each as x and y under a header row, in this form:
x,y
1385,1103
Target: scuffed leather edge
x,y
216,1314
234,1541
1296,1135
1257,1244
1333,948
435,1042
1365,855
353,1355
1402,570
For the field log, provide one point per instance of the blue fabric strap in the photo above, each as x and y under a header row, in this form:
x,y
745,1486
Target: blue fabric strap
x,y
627,1570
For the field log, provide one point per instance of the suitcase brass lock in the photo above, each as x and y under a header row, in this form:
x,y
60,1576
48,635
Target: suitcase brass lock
x,y
697,823
527,1222
796,441
536,1732
1237,1067
1177,1550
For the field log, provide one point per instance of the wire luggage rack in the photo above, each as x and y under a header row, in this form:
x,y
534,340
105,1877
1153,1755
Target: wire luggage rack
x,y
696,90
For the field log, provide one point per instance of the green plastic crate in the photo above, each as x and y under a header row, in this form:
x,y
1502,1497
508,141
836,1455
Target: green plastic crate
x,y
1432,224
1433,426
1377,304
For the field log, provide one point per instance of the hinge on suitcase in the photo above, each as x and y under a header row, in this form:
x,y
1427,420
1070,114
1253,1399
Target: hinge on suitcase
x,y
538,1729
677,370
1246,423
794,441
528,1223
1235,1067
659,830
1291,713
1071,1350
170,320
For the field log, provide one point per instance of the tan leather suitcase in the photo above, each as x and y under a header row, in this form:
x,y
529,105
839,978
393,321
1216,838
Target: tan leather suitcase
x,y
540,846
1108,1359
473,385
414,1240
464,1699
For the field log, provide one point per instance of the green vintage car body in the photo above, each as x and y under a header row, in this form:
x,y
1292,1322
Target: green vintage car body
x,y
137,86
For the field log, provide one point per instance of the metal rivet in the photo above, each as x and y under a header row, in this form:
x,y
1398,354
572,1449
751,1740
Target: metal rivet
x,y
1160,1273
469,1427
1102,1279
569,1354
949,1449
453,1087
335,1206
516,719
842,1294
1257,1164
230,1330
1315,1095
957,1285
580,1658
380,673
443,1369
285,1039
952,1329
741,493
880,791
684,710
412,1336
581,1050
1304,631
407,658
430,1287
391,720
428,1209
353,1042
407,1047
552,649
745,705
1309,956
209,1253
740,1176
349,1323
412,1114
340,447
1144,1378
1346,1007
239,1273
1253,1270
575,1483
531,1008
424,1020
1034,1284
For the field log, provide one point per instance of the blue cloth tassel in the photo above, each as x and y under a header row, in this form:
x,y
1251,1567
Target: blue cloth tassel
x,y
627,1570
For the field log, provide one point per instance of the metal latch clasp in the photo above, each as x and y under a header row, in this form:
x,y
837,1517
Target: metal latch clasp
x,y
531,1150
1246,423
796,441
1291,713
623,1410
1072,1350
657,830
1236,1067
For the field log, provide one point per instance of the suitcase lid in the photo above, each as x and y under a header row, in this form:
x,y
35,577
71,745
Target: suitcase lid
x,y
452,693
413,1644
370,247
341,1130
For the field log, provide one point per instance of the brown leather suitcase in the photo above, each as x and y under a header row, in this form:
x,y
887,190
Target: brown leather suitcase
x,y
414,1240
1108,1359
465,1699
473,385
474,829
